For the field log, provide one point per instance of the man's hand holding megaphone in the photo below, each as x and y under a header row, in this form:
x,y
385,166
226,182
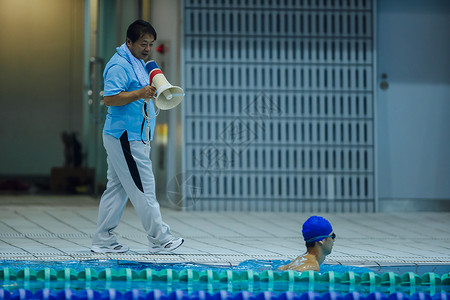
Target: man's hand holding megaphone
x,y
147,92
123,98
167,95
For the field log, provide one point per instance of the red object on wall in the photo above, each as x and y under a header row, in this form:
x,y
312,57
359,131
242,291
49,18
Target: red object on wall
x,y
161,49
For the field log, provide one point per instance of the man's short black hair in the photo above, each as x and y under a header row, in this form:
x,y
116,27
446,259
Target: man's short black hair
x,y
138,28
310,244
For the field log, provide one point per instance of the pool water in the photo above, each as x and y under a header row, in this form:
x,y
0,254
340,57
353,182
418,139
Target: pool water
x,y
255,265
22,280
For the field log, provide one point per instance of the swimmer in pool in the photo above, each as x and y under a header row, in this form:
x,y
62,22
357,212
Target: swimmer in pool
x,y
319,238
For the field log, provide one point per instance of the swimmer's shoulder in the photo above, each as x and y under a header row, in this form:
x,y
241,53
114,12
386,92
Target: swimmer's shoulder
x,y
302,263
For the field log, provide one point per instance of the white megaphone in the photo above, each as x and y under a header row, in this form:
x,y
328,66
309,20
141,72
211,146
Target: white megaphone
x,y
167,95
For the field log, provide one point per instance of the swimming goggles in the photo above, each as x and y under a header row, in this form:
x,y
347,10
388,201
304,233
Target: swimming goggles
x,y
314,239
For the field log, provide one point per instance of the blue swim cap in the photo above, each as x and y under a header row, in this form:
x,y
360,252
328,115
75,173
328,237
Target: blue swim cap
x,y
316,229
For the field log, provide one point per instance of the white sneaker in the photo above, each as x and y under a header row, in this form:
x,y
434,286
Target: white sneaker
x,y
167,247
115,248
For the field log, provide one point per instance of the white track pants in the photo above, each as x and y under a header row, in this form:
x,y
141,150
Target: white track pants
x,y
130,175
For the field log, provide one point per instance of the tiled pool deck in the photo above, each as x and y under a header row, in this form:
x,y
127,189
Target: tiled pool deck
x,y
59,228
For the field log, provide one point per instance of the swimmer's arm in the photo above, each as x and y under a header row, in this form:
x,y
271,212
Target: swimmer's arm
x,y
124,98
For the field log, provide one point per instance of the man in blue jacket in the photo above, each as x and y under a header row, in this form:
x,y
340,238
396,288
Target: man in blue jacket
x,y
128,129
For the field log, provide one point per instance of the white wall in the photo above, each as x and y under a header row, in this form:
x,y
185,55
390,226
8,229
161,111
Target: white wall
x,y
165,16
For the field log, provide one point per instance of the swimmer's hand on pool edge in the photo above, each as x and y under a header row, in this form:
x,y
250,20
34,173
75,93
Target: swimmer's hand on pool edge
x,y
305,262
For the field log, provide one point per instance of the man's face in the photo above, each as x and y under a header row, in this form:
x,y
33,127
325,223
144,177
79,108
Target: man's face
x,y
327,245
142,48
